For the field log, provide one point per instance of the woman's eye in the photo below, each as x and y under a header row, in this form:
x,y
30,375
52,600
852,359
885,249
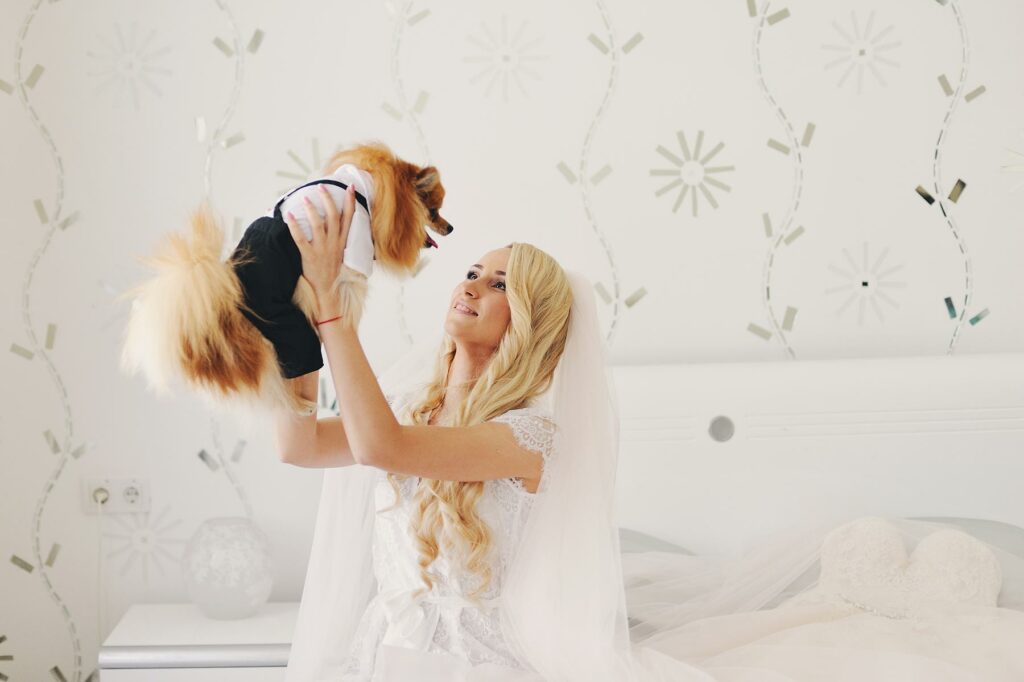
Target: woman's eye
x,y
501,282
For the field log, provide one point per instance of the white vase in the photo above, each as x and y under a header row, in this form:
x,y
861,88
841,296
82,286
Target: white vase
x,y
226,567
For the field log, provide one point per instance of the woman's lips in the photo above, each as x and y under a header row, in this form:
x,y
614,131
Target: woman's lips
x,y
459,308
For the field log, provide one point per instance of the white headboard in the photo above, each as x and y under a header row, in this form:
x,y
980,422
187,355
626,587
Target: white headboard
x,y
904,436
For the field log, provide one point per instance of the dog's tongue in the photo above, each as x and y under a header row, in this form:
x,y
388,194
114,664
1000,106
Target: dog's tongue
x,y
431,242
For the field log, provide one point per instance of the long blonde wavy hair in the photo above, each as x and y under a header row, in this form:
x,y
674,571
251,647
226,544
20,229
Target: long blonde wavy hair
x,y
521,368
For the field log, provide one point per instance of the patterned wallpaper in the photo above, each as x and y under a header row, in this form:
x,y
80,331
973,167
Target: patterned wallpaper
x,y
742,180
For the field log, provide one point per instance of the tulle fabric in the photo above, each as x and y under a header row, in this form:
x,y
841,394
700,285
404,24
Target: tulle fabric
x,y
764,615
564,608
339,576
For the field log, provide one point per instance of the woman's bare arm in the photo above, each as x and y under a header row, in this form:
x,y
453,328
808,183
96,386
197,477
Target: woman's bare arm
x,y
458,453
306,441
451,453
294,432
329,448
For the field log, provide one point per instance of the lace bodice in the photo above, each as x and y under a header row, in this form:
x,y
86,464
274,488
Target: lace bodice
x,y
865,565
444,620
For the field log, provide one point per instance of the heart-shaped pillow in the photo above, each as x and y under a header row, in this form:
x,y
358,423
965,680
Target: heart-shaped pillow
x,y
865,563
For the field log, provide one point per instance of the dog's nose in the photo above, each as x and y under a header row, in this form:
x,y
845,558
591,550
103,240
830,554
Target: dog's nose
x,y
450,229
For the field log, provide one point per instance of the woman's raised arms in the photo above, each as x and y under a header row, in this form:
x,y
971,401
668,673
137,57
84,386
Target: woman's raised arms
x,y
453,453
371,434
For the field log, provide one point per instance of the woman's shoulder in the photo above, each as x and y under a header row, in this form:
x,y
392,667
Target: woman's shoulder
x,y
533,427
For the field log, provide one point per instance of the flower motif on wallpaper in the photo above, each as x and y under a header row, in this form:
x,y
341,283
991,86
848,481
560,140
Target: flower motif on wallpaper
x,y
129,64
145,539
504,58
866,283
691,172
861,50
301,169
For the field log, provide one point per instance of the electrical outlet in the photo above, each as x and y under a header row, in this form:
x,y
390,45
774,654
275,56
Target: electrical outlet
x,y
118,495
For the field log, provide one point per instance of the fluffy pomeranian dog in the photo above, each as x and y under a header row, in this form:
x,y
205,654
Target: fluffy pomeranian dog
x,y
236,330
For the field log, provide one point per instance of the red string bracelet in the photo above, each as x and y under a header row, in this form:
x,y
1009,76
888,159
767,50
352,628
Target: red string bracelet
x,y
326,321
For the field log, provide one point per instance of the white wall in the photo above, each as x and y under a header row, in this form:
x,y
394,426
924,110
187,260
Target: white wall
x,y
546,120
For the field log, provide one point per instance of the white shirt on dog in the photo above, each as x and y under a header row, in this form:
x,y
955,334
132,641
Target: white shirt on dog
x,y
359,247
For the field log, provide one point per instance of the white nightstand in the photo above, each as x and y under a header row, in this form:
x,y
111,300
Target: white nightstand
x,y
176,642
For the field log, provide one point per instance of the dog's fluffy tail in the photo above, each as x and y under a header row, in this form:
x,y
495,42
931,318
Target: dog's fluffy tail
x,y
185,323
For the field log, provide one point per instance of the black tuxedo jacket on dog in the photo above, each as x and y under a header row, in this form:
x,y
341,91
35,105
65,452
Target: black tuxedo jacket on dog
x,y
268,282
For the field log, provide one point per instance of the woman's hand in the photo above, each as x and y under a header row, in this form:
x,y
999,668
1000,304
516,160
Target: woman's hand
x,y
322,257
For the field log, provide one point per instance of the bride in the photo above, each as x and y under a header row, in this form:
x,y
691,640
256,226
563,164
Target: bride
x,y
466,526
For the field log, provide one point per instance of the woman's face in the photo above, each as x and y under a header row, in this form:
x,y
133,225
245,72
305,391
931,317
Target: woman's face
x,y
482,291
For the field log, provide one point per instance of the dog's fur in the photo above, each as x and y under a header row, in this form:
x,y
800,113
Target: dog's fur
x,y
186,321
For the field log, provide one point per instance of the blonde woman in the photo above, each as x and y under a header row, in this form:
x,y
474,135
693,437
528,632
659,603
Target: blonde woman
x,y
406,582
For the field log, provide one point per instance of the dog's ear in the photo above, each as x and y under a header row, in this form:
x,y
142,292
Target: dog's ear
x,y
427,179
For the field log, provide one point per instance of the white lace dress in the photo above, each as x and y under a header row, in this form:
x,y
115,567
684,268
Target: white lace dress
x,y
443,623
